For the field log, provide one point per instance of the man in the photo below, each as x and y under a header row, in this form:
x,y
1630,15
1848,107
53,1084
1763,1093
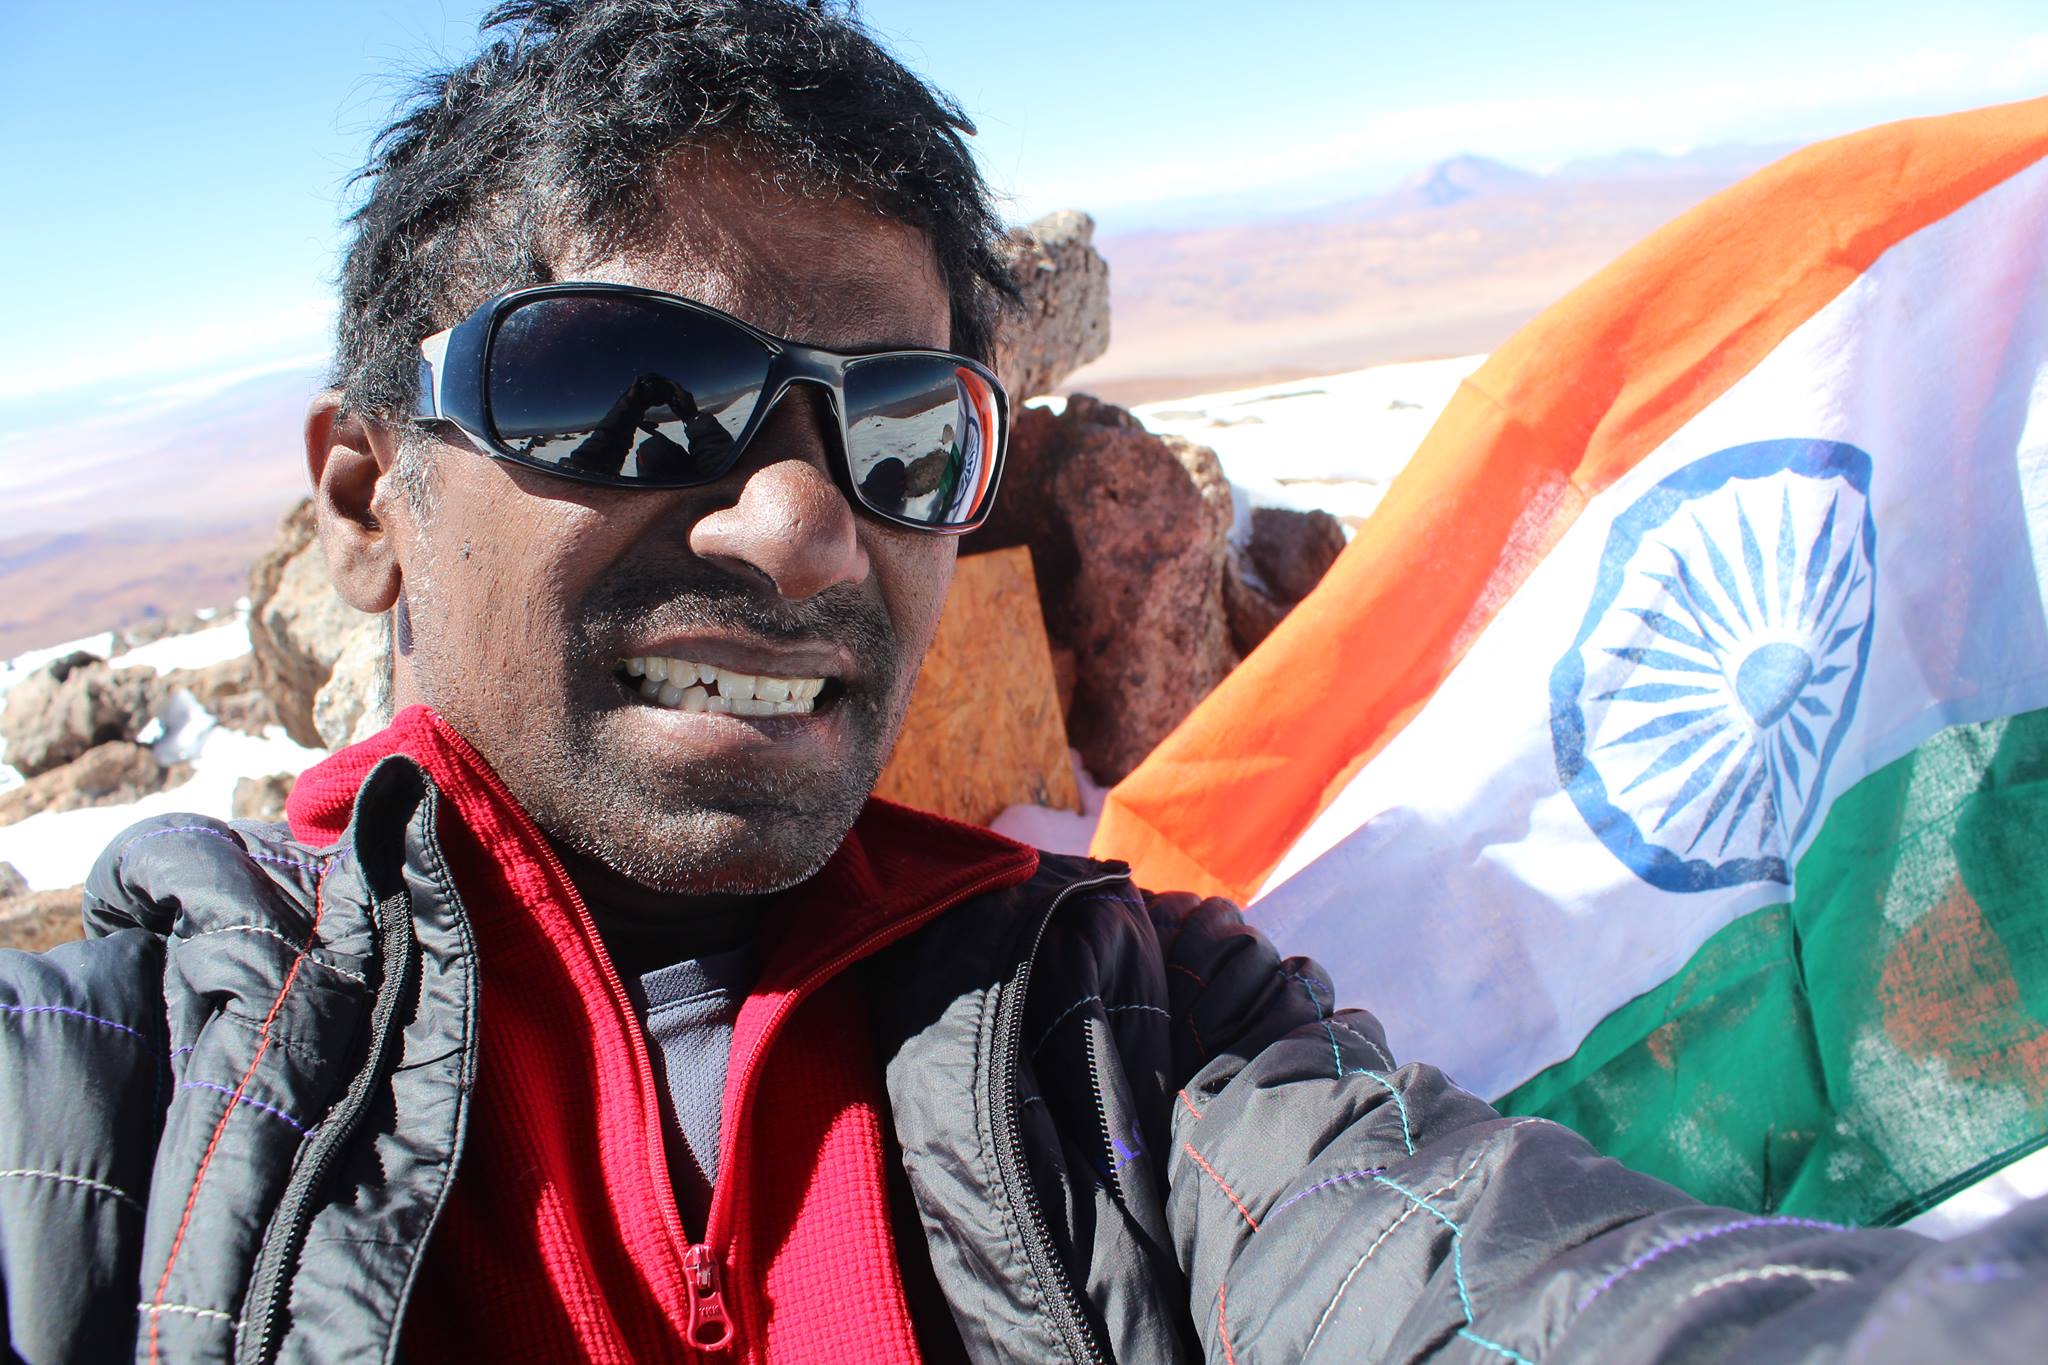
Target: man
x,y
593,1011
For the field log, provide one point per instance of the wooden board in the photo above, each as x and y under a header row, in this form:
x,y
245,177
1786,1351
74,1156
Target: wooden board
x,y
984,730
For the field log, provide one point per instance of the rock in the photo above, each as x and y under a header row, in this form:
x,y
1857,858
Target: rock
x,y
298,627
57,713
12,883
35,920
1293,550
156,626
355,701
1062,320
261,798
1128,534
230,693
1247,605
984,730
111,774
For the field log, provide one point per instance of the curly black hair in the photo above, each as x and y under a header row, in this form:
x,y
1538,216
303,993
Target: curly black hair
x,y
559,120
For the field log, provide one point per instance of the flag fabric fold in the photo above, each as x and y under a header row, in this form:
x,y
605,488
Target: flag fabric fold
x,y
1668,754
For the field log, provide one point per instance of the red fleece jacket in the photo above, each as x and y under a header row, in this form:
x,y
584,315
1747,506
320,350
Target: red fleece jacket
x,y
560,1240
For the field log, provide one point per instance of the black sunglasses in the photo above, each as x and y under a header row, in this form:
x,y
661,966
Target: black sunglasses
x,y
614,384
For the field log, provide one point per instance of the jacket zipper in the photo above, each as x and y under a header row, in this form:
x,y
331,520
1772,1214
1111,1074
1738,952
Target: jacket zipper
x,y
1070,1322
261,1331
710,1327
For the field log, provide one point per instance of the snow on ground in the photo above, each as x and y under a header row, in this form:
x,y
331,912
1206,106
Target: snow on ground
x,y
1333,443
200,649
1057,831
57,848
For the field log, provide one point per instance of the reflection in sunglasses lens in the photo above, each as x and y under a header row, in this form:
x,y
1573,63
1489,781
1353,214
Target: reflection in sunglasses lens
x,y
918,429
626,387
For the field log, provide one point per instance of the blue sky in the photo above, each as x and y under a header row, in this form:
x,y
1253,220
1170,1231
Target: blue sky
x,y
175,174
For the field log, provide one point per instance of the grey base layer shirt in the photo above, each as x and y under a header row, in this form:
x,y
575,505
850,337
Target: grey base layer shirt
x,y
689,1008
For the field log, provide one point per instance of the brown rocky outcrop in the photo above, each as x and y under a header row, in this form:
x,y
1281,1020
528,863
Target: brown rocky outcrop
x,y
1293,550
57,713
110,774
1061,321
1286,555
352,704
261,798
1250,608
298,627
230,692
1129,536
35,920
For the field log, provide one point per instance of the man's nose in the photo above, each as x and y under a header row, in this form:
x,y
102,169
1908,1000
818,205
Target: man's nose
x,y
790,524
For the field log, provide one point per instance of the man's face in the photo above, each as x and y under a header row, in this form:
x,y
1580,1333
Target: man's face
x,y
528,593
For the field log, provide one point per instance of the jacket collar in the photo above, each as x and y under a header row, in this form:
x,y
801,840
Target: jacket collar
x,y
893,864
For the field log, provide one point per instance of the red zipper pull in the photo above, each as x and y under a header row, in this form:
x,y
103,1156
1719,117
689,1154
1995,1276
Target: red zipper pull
x,y
710,1328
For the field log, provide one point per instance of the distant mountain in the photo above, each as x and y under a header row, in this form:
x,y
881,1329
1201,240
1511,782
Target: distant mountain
x,y
1453,181
1732,160
1449,262
1458,179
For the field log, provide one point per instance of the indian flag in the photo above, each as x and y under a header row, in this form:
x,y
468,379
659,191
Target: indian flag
x,y
1668,755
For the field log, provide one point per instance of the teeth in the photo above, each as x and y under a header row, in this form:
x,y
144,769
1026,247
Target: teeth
x,y
672,683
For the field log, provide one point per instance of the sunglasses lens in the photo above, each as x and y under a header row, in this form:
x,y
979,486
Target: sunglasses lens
x,y
632,388
923,434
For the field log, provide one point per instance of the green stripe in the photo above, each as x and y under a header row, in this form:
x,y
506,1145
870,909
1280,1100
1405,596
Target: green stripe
x,y
1877,1044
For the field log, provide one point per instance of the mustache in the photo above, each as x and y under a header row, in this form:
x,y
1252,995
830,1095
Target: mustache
x,y
642,599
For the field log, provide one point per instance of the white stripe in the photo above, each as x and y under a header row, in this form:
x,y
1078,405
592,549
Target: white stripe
x,y
1456,890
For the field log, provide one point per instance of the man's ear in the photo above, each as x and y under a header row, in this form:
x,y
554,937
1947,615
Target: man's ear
x,y
347,456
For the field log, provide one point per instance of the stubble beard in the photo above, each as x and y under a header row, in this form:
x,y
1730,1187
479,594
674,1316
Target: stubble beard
x,y
724,826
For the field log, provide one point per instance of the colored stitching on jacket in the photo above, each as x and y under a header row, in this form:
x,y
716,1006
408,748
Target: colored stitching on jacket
x,y
1693,1238
25,1173
121,863
1400,1104
1768,1272
1316,1003
1328,1022
221,1126
1190,1104
1222,1327
268,932
1343,1179
1421,1201
1061,1017
235,1099
76,1014
1222,1185
1380,1052
1380,1241
210,1314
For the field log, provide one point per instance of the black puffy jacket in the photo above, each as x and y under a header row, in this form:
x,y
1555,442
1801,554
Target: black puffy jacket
x,y
1130,1131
